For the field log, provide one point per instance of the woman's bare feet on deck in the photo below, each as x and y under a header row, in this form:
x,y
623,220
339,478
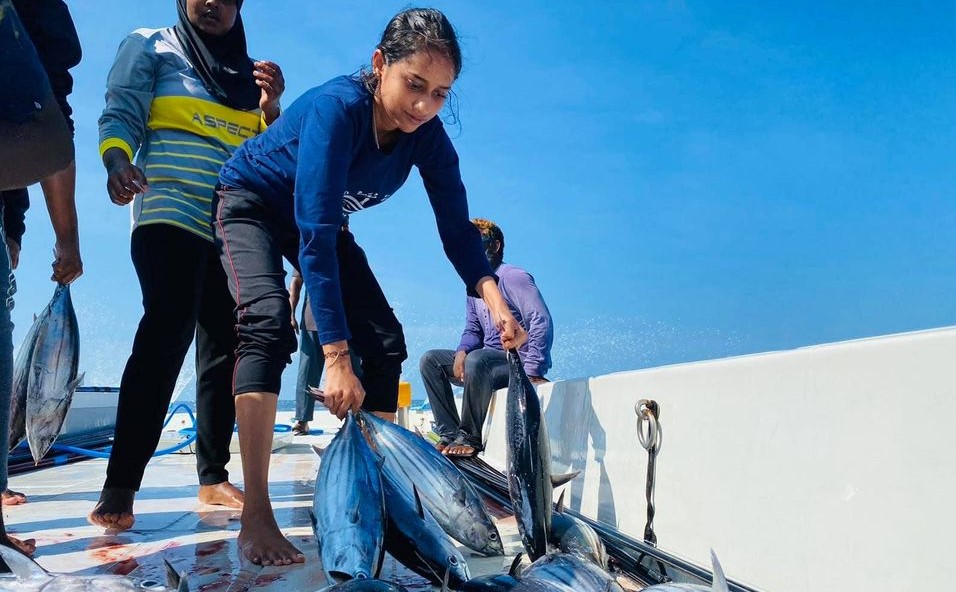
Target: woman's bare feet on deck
x,y
221,494
114,511
12,498
261,542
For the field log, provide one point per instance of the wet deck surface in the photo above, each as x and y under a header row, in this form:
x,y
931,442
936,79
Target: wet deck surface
x,y
201,540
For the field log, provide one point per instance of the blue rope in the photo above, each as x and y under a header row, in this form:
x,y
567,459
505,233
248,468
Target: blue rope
x,y
189,432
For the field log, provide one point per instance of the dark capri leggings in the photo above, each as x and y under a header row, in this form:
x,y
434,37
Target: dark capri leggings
x,y
252,242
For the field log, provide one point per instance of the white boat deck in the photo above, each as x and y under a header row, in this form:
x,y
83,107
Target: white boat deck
x,y
198,539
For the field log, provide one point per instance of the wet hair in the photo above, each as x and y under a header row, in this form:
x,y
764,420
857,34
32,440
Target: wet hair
x,y
490,230
414,30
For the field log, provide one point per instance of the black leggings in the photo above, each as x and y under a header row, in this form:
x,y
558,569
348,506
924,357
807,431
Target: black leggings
x,y
184,294
253,242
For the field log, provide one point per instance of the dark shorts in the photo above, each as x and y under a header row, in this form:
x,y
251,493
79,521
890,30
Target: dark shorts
x,y
253,241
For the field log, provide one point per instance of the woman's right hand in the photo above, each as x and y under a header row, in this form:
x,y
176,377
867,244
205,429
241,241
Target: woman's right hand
x,y
124,179
343,390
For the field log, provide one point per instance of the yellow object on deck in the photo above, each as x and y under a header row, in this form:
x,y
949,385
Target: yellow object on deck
x,y
404,394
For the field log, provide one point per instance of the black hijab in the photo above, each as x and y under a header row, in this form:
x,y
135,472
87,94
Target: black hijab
x,y
221,62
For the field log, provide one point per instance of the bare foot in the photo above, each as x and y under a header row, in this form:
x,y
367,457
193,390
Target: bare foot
x,y
25,546
10,497
261,542
221,494
461,450
114,511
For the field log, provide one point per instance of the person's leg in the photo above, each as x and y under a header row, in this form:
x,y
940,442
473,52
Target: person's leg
x,y
377,335
170,276
485,370
6,385
309,374
251,249
215,406
437,369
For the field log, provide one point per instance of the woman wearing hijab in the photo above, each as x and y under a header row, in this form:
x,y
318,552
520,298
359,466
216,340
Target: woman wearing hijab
x,y
181,99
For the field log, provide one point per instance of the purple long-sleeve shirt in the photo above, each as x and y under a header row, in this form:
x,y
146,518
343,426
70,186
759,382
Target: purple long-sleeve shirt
x,y
528,307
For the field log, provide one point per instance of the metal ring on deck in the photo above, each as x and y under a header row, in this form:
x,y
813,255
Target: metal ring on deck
x,y
645,413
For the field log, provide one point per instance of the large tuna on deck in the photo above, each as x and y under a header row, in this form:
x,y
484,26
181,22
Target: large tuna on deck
x,y
52,372
529,455
414,538
570,573
347,508
444,491
28,576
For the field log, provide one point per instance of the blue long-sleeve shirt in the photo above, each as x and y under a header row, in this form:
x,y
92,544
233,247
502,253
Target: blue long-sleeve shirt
x,y
318,163
528,307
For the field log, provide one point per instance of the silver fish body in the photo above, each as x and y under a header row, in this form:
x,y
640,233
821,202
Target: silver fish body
x,y
365,586
719,583
529,455
28,576
571,573
348,508
18,400
450,498
414,538
575,537
53,372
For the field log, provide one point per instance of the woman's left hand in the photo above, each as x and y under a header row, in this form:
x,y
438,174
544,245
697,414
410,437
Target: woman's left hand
x,y
270,79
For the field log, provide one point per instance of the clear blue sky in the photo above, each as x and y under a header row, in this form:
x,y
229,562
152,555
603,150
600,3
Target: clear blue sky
x,y
685,180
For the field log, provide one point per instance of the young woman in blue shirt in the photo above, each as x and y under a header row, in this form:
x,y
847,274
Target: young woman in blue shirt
x,y
344,146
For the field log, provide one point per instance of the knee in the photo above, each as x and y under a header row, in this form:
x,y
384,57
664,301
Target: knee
x,y
474,362
429,361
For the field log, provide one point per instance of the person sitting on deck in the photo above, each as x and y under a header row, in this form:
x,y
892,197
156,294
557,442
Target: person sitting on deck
x,y
480,364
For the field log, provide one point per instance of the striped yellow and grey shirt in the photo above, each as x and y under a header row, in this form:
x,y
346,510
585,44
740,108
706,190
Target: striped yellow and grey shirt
x,y
158,108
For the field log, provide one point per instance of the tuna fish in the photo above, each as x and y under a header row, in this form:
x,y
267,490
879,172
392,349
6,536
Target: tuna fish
x,y
444,491
414,538
18,400
28,576
719,582
52,376
529,455
491,583
348,512
575,537
365,586
570,573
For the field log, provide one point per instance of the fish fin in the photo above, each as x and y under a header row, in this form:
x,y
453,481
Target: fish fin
x,y
319,451
513,571
444,580
418,502
559,480
22,566
560,508
174,579
720,580
76,382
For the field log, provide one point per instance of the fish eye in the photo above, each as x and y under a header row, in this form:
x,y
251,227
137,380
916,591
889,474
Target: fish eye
x,y
493,536
452,560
